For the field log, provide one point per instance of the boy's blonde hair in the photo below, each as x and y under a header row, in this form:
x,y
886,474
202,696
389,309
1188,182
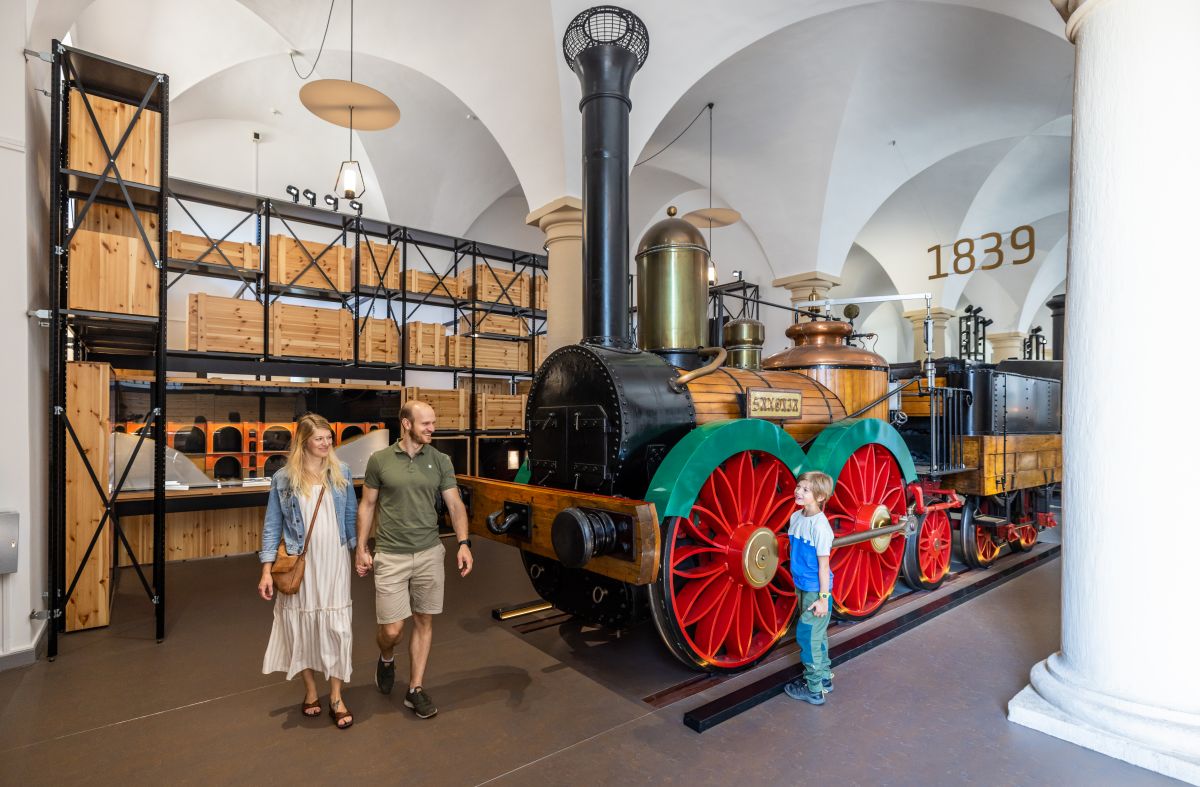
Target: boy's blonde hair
x,y
820,484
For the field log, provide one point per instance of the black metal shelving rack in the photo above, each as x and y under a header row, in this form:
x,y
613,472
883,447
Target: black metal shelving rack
x,y
81,335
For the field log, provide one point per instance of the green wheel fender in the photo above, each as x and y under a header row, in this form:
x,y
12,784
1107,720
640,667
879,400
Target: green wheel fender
x,y
834,445
523,473
678,480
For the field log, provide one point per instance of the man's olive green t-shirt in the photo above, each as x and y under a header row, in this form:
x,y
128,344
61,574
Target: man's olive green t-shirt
x,y
406,520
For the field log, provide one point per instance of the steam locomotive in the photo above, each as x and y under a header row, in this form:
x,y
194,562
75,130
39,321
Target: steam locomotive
x,y
660,476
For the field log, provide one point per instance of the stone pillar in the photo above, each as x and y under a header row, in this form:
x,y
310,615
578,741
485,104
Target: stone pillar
x,y
805,287
1058,321
1005,345
562,222
1126,682
940,317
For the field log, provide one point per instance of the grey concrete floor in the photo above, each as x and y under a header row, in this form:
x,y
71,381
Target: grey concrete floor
x,y
563,705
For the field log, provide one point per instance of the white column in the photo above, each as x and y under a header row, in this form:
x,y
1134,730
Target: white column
x,y
941,318
809,286
1006,344
562,221
1127,680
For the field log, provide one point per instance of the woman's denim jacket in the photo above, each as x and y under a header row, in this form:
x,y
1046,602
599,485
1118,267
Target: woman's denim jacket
x,y
284,516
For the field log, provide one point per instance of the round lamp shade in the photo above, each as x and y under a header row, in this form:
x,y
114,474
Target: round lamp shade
x,y
332,100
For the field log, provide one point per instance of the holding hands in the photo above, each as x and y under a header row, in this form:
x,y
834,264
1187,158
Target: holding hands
x,y
363,561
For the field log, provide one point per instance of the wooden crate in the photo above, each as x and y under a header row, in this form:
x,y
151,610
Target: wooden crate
x,y
493,284
188,248
224,325
111,269
483,322
88,386
492,385
379,341
426,343
139,161
290,264
539,352
452,407
1000,464
489,353
386,258
422,281
538,290
309,332
499,411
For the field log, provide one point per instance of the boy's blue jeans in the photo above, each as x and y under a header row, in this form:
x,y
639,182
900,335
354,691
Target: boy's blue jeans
x,y
812,636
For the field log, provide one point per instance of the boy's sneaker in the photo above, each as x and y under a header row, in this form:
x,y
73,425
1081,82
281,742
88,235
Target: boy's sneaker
x,y
826,685
798,690
420,703
385,675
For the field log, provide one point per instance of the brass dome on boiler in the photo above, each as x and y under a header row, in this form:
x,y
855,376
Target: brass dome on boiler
x,y
672,286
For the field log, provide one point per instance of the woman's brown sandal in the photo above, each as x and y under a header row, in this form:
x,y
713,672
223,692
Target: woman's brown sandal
x,y
339,716
307,708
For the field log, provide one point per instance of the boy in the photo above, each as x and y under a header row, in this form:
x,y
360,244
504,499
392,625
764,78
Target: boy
x,y
811,540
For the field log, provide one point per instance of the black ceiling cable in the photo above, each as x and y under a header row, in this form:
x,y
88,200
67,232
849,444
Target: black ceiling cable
x,y
707,106
292,55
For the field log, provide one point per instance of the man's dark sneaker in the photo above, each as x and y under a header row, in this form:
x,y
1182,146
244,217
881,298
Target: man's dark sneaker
x,y
385,676
420,703
798,690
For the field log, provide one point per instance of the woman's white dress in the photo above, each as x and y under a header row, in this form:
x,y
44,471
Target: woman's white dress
x,y
312,628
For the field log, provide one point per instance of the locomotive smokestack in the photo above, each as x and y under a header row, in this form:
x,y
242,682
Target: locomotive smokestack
x,y
605,46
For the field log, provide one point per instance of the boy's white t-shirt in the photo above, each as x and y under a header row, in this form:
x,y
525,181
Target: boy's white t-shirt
x,y
811,537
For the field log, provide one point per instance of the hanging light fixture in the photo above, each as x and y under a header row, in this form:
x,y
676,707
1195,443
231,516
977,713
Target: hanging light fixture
x,y
343,103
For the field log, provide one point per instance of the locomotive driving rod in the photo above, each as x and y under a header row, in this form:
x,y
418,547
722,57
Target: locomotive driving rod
x,y
868,535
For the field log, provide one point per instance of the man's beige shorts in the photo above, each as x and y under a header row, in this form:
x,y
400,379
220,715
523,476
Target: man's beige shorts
x,y
405,584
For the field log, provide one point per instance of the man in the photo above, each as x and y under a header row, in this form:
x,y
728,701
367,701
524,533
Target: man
x,y
402,483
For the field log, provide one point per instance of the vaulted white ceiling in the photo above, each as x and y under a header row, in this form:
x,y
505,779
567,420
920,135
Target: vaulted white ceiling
x,y
847,132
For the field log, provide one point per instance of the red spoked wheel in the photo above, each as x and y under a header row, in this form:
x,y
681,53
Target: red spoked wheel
x,y
724,595
869,495
979,546
927,557
1025,521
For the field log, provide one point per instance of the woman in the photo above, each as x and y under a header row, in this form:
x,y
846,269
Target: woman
x,y
311,631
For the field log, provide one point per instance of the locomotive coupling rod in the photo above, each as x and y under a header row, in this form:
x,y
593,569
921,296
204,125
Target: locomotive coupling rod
x,y
716,363
868,535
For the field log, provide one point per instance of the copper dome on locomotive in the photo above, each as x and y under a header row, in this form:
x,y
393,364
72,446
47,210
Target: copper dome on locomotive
x,y
858,376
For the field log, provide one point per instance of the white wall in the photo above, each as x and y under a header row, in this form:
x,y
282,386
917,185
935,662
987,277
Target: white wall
x,y
23,465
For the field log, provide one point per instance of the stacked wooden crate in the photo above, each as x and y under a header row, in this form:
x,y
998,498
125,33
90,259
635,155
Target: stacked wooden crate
x,y
426,343
489,353
112,269
307,332
375,259
313,264
490,284
452,407
418,282
499,411
379,341
234,325
224,325
539,352
480,320
140,158
538,291
191,248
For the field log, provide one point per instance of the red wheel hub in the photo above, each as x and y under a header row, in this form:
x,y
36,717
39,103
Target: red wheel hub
x,y
865,573
729,582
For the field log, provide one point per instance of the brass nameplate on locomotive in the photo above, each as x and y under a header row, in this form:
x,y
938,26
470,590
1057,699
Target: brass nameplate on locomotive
x,y
773,403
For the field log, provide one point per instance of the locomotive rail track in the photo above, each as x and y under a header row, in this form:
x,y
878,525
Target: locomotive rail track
x,y
855,639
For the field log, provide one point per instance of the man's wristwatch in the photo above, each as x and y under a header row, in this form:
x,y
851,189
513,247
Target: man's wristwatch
x,y
466,542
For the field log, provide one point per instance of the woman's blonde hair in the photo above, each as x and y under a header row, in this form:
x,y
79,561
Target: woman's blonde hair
x,y
331,471
820,484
